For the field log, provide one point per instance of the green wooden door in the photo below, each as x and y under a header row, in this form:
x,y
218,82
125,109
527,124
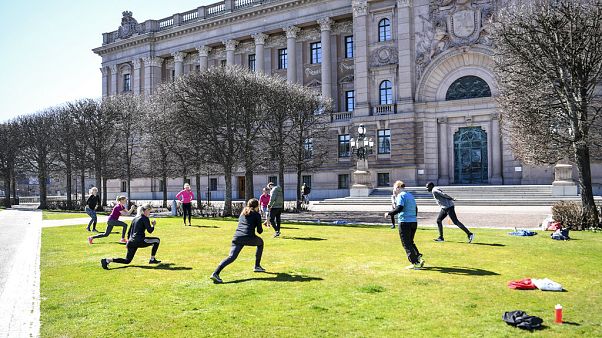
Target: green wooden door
x,y
470,156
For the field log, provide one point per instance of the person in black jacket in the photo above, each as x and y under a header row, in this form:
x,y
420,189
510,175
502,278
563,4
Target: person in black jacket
x,y
137,239
249,220
91,208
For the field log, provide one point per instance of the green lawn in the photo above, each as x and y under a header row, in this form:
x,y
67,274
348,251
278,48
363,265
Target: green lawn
x,y
321,281
55,215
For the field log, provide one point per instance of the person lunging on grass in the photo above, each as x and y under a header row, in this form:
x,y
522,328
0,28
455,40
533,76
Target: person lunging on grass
x,y
137,239
113,221
408,223
446,203
248,222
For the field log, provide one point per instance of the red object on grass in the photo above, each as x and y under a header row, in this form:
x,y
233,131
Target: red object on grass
x,y
522,284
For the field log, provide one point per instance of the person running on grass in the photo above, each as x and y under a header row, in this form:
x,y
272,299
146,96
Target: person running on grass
x,y
446,203
185,197
276,206
91,208
248,222
137,239
408,223
113,221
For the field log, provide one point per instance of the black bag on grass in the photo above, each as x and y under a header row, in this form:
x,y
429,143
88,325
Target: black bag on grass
x,y
522,320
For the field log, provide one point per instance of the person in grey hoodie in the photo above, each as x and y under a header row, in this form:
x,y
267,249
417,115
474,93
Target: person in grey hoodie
x,y
446,203
276,206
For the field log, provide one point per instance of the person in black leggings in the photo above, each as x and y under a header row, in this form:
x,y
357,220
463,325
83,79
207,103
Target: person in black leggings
x,y
249,220
137,239
113,221
91,208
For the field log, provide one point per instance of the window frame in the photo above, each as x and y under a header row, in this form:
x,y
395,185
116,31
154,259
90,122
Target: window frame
x,y
127,82
349,98
344,146
273,179
348,42
384,30
380,141
315,52
343,181
380,179
308,148
251,62
388,92
212,184
282,58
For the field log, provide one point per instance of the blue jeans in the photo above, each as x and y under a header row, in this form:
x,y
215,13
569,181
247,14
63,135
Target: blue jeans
x,y
92,215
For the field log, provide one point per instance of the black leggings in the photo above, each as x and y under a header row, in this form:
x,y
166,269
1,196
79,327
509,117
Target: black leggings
x,y
452,215
237,245
186,210
133,247
275,218
110,224
407,230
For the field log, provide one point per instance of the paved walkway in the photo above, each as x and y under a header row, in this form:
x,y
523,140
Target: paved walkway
x,y
20,272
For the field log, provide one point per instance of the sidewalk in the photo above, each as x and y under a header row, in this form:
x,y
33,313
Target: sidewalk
x,y
20,272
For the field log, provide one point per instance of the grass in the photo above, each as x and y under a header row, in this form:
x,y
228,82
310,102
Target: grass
x,y
56,215
322,281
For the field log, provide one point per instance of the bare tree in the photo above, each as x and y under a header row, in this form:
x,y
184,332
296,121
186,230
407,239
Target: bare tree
x,y
9,153
549,67
63,139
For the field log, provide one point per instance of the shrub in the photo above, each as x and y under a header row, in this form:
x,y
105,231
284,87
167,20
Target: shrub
x,y
569,214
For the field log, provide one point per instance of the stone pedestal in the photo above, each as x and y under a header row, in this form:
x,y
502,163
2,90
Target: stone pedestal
x,y
563,184
362,181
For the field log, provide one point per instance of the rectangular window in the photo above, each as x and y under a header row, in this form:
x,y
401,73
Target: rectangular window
x,y
127,83
344,181
173,75
344,146
316,52
252,62
161,185
273,179
282,59
308,146
187,180
306,179
384,141
197,68
222,63
349,46
349,100
383,179
124,186
213,184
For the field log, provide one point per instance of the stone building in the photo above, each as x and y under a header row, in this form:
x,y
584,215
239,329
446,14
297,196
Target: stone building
x,y
417,73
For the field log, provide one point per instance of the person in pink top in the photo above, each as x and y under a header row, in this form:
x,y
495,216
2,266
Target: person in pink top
x,y
185,197
264,199
113,221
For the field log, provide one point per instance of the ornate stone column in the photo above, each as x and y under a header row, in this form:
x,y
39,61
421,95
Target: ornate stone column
x,y
179,63
203,57
360,57
105,80
259,48
152,73
137,76
496,151
405,48
325,26
291,52
230,48
114,80
443,134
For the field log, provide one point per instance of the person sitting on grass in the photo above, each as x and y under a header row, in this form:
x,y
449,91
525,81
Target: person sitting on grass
x,y
249,220
113,221
137,239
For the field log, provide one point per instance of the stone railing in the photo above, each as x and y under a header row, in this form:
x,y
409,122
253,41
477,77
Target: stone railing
x,y
195,15
341,116
384,109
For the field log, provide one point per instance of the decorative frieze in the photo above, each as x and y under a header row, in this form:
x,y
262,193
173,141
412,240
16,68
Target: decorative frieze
x,y
309,34
276,41
136,63
152,61
384,55
343,27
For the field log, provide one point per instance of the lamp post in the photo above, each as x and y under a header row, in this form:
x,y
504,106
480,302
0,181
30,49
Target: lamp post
x,y
362,180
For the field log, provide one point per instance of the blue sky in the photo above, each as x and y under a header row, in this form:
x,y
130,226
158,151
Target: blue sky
x,y
46,46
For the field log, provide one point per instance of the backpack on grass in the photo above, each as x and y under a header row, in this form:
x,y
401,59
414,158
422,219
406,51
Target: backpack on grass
x,y
522,320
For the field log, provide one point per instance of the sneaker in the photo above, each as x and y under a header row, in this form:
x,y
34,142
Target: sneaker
x,y
259,269
88,229
420,260
90,239
439,239
215,278
277,234
415,266
123,240
104,264
392,227
154,261
470,238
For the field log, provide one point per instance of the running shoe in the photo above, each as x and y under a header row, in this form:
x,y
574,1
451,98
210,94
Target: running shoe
x,y
259,269
154,261
123,240
215,278
470,238
439,239
277,234
104,264
415,266
90,239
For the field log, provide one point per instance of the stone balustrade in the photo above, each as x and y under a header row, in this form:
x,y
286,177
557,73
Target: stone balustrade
x,y
384,109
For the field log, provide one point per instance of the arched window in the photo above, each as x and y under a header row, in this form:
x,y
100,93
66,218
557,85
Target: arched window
x,y
385,92
468,87
384,30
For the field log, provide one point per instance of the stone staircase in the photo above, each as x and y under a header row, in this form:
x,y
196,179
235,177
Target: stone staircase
x,y
500,195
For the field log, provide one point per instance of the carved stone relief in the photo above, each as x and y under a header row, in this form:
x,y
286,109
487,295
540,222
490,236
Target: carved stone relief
x,y
129,26
309,34
384,55
343,27
276,41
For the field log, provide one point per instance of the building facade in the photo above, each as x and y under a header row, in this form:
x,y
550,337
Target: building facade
x,y
416,73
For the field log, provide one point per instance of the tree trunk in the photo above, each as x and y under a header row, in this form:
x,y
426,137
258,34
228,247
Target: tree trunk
x,y
42,185
281,166
228,193
164,183
83,186
7,190
69,183
98,175
589,213
299,198
14,183
198,189
104,191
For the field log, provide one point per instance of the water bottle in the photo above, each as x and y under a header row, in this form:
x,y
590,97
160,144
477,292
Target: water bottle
x,y
558,314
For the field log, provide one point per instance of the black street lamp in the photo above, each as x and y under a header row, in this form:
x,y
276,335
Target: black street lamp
x,y
363,145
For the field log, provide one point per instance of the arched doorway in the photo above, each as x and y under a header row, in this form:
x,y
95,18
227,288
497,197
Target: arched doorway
x,y
470,156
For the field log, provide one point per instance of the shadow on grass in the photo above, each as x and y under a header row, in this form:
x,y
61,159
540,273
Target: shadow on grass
x,y
290,228
161,266
571,323
277,277
205,226
305,238
486,244
460,271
